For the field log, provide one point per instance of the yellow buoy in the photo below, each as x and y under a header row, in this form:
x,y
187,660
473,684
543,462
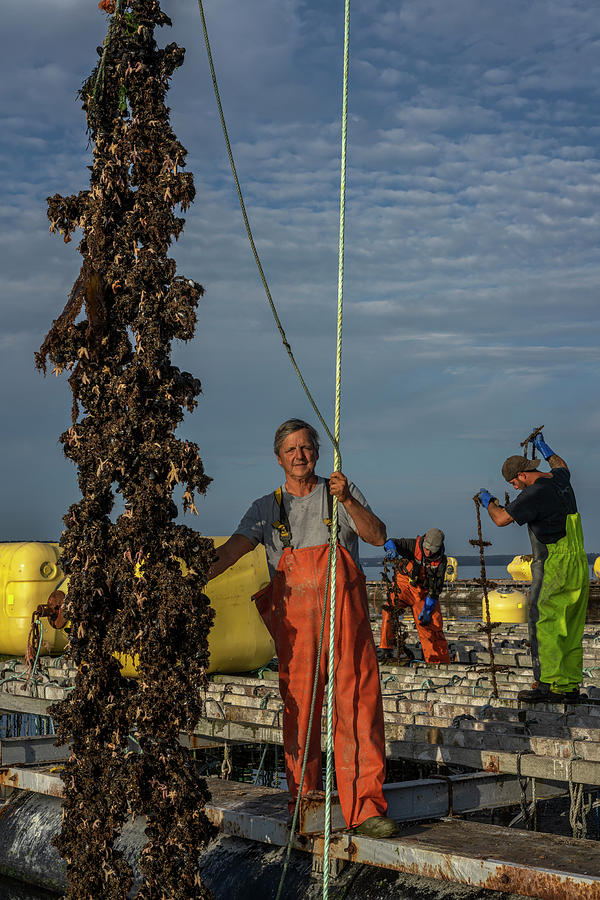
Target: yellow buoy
x,y
451,569
520,568
238,640
506,605
597,567
29,572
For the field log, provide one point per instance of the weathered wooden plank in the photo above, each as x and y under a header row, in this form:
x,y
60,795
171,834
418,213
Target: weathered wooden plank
x,y
535,865
497,760
13,703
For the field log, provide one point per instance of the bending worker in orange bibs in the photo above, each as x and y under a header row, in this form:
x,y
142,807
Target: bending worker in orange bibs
x,y
418,584
293,524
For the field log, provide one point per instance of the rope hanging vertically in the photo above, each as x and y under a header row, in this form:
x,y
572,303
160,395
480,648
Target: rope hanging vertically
x,y
334,438
489,625
337,465
263,278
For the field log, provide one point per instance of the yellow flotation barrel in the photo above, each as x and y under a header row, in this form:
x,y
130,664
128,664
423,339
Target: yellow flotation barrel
x,y
238,641
520,568
506,605
597,567
451,570
29,572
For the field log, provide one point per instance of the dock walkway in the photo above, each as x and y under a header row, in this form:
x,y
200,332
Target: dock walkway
x,y
482,856
507,753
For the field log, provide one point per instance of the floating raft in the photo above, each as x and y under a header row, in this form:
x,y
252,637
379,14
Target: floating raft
x,y
442,714
462,598
433,713
533,865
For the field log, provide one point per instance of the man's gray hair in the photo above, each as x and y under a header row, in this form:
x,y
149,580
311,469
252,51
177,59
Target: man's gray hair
x,y
290,427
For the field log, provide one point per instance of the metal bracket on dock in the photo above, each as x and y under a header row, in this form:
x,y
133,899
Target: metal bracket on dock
x,y
336,867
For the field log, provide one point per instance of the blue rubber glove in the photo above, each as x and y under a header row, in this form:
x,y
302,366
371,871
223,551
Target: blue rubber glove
x,y
425,614
390,550
485,497
542,447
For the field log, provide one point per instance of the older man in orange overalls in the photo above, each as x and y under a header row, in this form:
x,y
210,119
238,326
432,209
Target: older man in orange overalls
x,y
293,524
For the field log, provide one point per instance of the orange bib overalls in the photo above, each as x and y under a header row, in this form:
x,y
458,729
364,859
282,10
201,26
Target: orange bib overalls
x,y
409,590
291,607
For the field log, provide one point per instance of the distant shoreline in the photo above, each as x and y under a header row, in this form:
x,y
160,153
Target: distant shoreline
x,y
491,559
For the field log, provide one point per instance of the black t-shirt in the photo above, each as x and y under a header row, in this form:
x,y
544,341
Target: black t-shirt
x,y
545,505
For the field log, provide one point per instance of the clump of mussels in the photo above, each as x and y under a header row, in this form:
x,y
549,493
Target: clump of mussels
x,y
127,592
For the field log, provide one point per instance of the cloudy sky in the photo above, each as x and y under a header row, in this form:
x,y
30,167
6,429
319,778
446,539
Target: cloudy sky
x,y
472,246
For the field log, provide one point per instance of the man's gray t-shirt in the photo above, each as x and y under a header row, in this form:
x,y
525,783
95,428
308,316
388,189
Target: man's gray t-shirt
x,y
305,515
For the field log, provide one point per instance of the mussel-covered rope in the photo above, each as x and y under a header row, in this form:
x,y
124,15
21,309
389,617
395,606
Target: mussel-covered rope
x,y
489,625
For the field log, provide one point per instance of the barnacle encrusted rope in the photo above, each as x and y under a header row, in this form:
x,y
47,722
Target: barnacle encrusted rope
x,y
263,278
128,593
489,625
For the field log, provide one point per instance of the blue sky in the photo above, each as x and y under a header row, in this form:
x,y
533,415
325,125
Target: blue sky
x,y
472,251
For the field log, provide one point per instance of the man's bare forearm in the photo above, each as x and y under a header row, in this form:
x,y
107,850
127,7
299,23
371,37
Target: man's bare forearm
x,y
556,462
498,514
369,527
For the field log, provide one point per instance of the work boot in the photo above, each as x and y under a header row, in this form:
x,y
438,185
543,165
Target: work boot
x,y
542,693
384,654
376,827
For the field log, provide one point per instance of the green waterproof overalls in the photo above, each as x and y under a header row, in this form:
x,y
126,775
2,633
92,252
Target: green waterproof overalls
x,y
557,607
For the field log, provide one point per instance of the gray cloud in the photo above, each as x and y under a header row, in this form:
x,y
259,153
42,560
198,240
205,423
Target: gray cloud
x,y
471,263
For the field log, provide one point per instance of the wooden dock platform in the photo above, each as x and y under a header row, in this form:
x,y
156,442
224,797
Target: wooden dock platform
x,y
436,716
483,856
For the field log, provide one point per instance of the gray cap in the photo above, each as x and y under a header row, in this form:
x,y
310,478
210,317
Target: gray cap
x,y
515,464
433,540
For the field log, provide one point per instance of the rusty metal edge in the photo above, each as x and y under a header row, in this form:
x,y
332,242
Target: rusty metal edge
x,y
488,873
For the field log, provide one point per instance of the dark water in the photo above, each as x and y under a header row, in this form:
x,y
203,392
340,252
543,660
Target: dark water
x,y
14,890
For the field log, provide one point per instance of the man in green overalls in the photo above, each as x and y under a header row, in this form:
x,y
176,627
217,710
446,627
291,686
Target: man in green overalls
x,y
560,573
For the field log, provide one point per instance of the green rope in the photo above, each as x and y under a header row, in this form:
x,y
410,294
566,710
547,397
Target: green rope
x,y
12,678
39,648
284,339
260,765
333,537
331,565
308,734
